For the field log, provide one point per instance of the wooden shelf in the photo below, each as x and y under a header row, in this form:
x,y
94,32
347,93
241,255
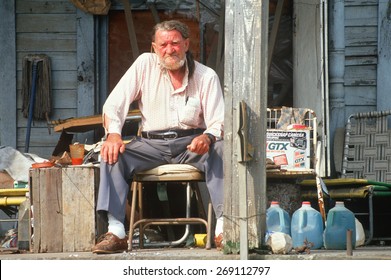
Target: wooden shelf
x,y
84,124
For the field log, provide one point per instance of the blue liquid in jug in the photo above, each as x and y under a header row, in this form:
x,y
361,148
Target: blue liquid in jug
x,y
277,219
307,227
339,220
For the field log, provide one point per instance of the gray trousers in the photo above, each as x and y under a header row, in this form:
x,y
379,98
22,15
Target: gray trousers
x,y
143,154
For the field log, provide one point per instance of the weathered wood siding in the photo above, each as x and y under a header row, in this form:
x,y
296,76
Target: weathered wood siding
x,y
47,27
384,56
361,43
7,74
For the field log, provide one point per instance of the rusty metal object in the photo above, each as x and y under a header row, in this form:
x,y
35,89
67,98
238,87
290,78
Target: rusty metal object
x,y
319,183
349,246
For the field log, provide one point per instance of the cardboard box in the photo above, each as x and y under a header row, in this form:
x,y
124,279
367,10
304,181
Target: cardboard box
x,y
289,148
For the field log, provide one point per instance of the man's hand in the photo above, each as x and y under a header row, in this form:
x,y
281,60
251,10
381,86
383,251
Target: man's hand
x,y
200,144
111,147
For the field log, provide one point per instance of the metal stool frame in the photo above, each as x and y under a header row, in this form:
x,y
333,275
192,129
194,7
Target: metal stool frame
x,y
190,178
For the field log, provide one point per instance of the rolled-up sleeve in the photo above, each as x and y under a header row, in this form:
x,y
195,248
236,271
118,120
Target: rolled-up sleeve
x,y
213,104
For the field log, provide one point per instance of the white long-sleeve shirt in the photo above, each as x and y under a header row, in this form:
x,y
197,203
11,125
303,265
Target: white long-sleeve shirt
x,y
197,104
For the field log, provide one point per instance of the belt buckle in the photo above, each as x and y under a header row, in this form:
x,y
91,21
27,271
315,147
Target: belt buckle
x,y
170,135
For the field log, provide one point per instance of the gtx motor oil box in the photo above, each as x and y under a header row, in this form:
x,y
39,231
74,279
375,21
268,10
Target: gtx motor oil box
x,y
289,148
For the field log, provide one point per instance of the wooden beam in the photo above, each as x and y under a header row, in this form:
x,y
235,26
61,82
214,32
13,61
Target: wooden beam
x,y
220,47
86,105
131,29
84,124
245,79
274,32
154,12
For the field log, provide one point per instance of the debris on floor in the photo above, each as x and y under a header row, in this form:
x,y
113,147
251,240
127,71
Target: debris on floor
x,y
10,239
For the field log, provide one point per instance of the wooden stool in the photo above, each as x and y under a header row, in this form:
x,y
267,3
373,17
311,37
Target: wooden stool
x,y
183,173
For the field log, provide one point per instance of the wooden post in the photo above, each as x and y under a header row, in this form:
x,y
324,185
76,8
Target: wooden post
x,y
86,81
131,28
246,59
274,32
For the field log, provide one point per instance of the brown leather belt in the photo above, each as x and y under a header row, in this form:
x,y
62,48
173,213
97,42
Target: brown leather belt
x,y
170,134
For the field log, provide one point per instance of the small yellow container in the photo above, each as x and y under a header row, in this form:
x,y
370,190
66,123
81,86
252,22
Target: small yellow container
x,y
200,240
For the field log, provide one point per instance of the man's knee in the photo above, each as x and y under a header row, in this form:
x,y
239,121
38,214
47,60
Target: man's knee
x,y
218,147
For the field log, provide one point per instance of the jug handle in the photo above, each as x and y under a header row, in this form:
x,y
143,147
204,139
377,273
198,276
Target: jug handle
x,y
282,220
302,219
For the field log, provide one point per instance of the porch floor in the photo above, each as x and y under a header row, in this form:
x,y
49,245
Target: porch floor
x,y
360,253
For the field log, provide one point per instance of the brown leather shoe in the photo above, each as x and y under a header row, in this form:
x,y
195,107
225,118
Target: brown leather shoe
x,y
110,244
219,242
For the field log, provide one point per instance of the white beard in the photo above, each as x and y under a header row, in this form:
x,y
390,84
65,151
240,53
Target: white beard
x,y
172,66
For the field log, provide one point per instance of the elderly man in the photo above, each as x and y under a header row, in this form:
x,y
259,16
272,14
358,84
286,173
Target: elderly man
x,y
182,109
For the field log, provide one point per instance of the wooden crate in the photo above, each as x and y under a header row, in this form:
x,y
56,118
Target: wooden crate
x,y
6,181
64,202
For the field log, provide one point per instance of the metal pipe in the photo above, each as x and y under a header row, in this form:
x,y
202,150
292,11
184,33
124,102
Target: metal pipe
x,y
349,245
370,213
11,200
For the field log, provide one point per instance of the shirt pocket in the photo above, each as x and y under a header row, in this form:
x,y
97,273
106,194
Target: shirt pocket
x,y
189,115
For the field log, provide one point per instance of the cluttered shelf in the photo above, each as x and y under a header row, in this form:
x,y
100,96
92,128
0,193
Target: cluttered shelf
x,y
290,174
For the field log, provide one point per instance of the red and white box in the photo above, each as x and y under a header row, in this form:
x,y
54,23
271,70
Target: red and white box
x,y
289,148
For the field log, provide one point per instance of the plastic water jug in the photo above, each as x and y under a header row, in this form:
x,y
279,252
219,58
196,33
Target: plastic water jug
x,y
277,219
339,220
307,226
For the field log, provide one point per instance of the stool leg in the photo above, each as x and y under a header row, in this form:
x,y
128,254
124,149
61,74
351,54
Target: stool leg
x,y
370,215
140,199
188,209
132,213
141,207
188,199
209,228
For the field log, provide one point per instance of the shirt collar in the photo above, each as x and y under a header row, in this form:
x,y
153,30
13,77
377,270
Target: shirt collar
x,y
185,79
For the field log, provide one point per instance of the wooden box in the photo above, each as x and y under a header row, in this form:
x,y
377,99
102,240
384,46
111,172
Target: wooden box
x,y
64,208
6,181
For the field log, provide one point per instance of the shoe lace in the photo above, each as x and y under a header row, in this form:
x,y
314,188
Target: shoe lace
x,y
105,236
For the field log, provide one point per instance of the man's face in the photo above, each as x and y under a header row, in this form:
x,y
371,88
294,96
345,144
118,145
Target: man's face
x,y
171,48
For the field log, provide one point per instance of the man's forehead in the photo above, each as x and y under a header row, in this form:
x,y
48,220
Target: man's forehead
x,y
170,35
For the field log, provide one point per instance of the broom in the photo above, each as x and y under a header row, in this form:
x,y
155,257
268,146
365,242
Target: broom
x,y
35,90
